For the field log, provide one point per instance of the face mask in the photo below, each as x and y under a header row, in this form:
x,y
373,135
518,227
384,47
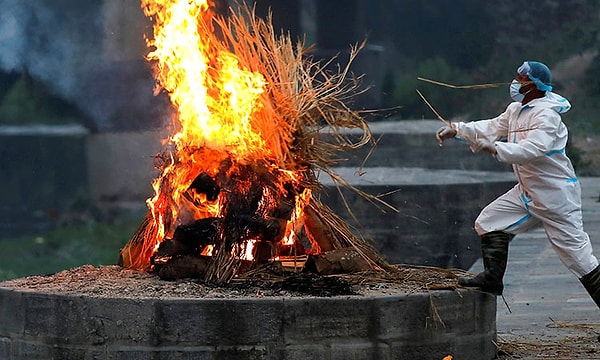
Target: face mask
x,y
515,86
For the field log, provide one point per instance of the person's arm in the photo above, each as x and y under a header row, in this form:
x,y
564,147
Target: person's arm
x,y
490,129
474,131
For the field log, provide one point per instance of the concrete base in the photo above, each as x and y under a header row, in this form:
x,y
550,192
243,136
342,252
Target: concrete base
x,y
431,325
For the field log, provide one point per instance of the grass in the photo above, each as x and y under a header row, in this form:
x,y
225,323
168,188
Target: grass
x,y
94,243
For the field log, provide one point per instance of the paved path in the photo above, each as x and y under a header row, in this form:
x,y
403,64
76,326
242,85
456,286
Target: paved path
x,y
547,302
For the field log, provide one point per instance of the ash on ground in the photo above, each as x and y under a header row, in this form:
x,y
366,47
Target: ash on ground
x,y
116,282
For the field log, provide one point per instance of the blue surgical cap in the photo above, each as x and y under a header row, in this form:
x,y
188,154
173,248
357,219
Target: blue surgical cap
x,y
538,73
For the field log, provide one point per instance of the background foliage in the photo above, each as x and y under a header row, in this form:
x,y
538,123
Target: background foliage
x,y
473,42
459,42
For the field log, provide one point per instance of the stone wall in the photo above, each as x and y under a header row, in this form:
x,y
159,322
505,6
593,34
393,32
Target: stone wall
x,y
40,326
43,173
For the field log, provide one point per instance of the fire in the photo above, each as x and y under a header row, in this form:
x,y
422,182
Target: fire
x,y
293,226
237,175
218,103
213,96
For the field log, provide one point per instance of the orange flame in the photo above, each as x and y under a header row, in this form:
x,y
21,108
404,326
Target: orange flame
x,y
216,100
295,223
213,96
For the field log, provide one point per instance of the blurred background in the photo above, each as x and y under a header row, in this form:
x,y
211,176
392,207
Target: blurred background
x,y
77,106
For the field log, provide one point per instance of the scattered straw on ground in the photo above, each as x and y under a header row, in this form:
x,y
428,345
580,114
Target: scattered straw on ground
x,y
570,341
580,346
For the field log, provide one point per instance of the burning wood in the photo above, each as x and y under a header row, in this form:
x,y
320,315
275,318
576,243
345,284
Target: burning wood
x,y
239,173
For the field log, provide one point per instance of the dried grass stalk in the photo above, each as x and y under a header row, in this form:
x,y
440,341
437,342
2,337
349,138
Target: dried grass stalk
x,y
473,86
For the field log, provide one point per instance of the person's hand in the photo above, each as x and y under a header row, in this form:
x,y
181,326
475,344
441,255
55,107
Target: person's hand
x,y
445,132
483,145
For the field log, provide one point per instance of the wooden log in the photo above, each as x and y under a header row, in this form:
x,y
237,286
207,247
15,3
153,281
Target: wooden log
x,y
255,227
185,266
263,251
337,262
197,234
317,230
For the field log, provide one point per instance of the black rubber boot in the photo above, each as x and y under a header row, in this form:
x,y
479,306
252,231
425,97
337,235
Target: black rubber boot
x,y
591,282
494,250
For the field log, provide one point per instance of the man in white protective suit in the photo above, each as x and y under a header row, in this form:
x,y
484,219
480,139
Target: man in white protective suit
x,y
547,192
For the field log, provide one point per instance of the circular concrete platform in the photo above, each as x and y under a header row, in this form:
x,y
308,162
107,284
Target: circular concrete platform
x,y
420,325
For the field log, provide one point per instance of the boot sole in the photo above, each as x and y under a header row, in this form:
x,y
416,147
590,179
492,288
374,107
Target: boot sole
x,y
470,283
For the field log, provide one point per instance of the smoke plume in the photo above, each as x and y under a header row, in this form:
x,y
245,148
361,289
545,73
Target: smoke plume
x,y
75,47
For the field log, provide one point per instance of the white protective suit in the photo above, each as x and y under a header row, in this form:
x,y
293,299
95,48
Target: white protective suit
x,y
548,192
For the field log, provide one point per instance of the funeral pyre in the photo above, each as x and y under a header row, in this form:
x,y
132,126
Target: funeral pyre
x,y
256,120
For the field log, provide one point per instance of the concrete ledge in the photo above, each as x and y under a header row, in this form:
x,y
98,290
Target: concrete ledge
x,y
120,165
412,143
37,325
436,211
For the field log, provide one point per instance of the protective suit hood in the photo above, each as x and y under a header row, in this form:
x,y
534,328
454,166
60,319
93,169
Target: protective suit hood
x,y
553,101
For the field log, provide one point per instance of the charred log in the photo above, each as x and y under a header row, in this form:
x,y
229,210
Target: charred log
x,y
284,210
261,228
189,239
263,251
199,233
204,184
287,202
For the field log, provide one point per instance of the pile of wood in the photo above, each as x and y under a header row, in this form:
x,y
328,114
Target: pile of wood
x,y
303,119
314,248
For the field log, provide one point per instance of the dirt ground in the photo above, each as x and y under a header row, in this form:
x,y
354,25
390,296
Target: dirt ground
x,y
581,343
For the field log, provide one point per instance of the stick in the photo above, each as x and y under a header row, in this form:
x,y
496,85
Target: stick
x,y
447,123
476,86
434,111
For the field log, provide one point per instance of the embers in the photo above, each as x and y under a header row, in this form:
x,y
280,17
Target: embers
x,y
254,211
253,227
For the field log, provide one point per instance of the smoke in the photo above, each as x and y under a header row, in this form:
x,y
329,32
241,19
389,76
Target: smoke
x,y
12,35
63,43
